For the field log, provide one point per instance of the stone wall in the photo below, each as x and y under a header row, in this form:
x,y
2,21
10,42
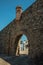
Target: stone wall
x,y
30,24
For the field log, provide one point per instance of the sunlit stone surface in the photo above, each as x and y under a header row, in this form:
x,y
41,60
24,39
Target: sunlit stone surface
x,y
4,62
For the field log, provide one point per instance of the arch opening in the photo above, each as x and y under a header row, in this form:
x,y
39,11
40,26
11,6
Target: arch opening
x,y
22,45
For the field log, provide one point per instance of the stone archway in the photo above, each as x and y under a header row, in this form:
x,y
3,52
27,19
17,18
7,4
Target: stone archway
x,y
17,45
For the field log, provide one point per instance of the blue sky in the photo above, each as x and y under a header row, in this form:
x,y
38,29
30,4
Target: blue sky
x,y
8,10
24,37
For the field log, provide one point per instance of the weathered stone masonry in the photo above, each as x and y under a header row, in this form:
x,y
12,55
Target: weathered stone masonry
x,y
30,24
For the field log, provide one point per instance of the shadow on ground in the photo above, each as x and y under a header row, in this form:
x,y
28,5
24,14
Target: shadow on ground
x,y
21,60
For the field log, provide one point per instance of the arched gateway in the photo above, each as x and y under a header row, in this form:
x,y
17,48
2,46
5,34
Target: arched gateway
x,y
30,23
22,47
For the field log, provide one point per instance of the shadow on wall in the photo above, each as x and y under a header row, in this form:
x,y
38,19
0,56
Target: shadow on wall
x,y
38,60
